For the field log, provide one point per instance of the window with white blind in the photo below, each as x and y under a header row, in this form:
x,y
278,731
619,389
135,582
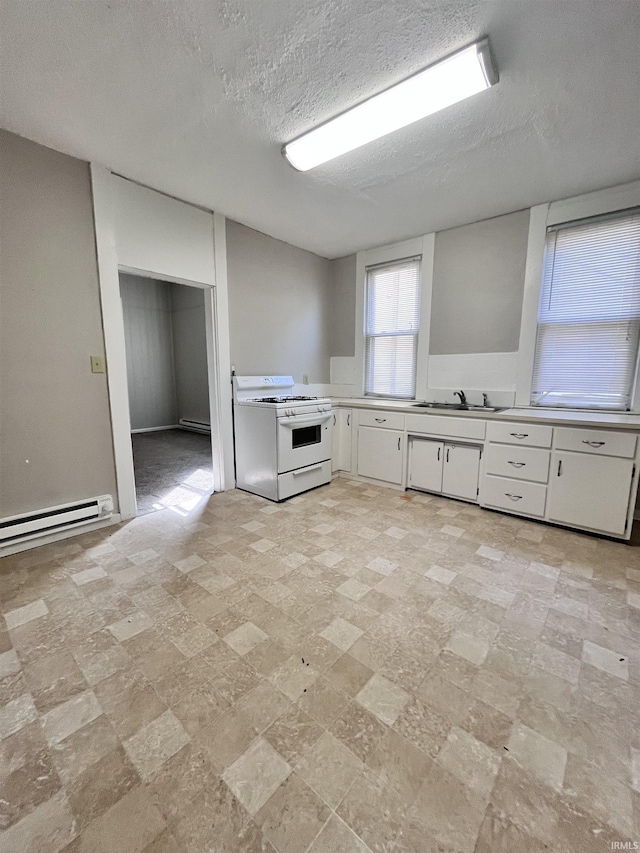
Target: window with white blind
x,y
392,316
589,314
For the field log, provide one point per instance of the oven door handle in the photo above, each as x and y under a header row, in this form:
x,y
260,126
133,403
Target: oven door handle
x,y
301,420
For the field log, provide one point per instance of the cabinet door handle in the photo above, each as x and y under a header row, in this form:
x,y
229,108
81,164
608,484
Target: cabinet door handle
x,y
593,443
513,497
439,454
399,440
516,464
559,467
334,420
448,453
519,434
349,419
381,420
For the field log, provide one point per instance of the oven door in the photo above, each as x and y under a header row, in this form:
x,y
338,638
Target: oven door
x,y
303,440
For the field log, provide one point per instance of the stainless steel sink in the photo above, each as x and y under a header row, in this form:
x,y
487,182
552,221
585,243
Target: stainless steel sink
x,y
469,407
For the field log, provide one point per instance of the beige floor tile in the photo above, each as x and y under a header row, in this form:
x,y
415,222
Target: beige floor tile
x,y
129,826
473,649
446,812
337,837
330,769
293,677
256,774
470,760
72,715
47,829
293,816
342,634
443,576
88,575
245,638
23,615
16,714
540,756
293,734
353,589
383,698
359,730
101,785
190,563
348,674
494,648
611,662
128,627
154,743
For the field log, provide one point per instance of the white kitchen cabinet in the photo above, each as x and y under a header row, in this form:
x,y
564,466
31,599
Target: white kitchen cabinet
x,y
460,471
425,464
380,453
341,440
444,467
590,490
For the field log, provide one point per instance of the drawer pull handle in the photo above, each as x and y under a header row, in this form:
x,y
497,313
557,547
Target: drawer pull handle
x,y
513,497
307,470
593,443
381,420
519,434
516,464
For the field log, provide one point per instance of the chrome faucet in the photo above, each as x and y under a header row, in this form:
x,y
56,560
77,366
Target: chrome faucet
x,y
463,397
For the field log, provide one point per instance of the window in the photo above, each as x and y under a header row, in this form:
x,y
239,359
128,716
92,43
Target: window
x,y
589,314
392,311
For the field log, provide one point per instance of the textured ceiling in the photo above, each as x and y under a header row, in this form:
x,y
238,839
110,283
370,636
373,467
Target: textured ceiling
x,y
195,98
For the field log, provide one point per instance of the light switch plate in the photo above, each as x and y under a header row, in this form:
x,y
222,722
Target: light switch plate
x,y
97,364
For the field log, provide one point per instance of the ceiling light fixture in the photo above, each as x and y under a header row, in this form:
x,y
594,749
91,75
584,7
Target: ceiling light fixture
x,y
453,79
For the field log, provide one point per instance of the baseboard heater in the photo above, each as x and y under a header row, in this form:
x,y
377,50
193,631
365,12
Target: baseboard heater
x,y
30,525
195,426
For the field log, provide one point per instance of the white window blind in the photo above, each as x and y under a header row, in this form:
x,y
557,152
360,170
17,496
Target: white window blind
x,y
589,314
392,315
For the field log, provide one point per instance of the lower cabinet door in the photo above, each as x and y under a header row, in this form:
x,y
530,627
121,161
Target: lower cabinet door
x,y
460,471
380,454
426,459
591,491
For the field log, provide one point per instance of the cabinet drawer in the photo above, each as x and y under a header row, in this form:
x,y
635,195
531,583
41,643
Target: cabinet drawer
x,y
446,427
384,420
298,481
604,442
523,463
514,495
534,435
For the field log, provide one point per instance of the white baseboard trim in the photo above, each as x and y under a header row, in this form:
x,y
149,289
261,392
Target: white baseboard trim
x,y
156,429
57,535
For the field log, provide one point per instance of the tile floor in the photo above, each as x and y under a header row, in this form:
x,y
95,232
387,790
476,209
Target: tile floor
x,y
172,468
354,670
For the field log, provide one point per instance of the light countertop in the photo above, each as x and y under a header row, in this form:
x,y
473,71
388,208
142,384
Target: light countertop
x,y
609,420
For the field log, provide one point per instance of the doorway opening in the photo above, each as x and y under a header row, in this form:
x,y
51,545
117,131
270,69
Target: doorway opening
x,y
168,388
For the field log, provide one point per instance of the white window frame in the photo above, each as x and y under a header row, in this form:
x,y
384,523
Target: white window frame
x,y
423,246
541,217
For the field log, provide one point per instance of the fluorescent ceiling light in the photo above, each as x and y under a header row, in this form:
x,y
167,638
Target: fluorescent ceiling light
x,y
455,78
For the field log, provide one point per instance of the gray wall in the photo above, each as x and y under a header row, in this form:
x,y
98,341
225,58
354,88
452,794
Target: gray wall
x,y
279,299
54,412
342,307
146,308
190,352
478,284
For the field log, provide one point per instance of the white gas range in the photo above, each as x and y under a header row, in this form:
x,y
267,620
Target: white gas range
x,y
283,441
